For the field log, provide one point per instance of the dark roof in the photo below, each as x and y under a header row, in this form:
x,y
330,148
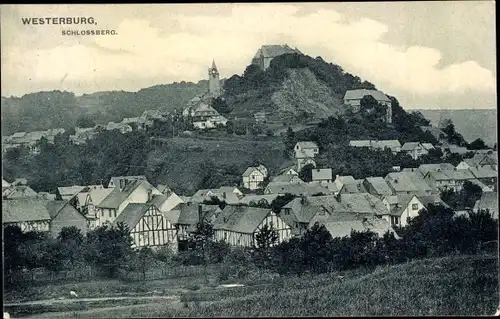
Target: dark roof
x,y
27,209
131,215
189,213
360,93
241,219
18,191
380,185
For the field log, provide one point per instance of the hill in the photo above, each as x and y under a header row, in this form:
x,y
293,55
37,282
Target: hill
x,y
294,89
471,123
54,109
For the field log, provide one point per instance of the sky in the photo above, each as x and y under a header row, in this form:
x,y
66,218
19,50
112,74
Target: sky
x,y
427,54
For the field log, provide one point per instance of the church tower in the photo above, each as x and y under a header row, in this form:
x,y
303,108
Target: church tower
x,y
214,89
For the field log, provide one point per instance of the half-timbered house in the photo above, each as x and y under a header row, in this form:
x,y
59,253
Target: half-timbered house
x,y
30,214
148,226
239,225
188,217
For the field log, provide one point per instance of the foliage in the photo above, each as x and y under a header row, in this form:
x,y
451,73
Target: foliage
x,y
305,173
220,105
463,199
477,144
281,201
452,136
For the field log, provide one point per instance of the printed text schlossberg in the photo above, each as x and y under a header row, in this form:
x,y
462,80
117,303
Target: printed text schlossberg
x,y
59,20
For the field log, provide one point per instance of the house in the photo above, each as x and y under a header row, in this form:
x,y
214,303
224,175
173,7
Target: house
x,y
225,195
286,179
257,200
296,189
354,97
37,214
30,214
254,176
115,181
355,187
432,200
164,189
453,149
485,174
303,212
428,146
65,193
414,149
488,201
240,225
409,183
478,160
5,185
289,171
266,53
306,149
401,208
377,186
444,180
121,127
361,203
166,203
205,116
322,175
149,227
340,181
343,225
484,187
127,191
189,215
16,191
96,196
303,162
62,214
393,145
425,168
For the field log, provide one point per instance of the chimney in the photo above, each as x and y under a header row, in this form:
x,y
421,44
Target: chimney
x,y
224,195
150,195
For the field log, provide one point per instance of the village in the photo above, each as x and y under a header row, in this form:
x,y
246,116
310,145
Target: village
x,y
289,204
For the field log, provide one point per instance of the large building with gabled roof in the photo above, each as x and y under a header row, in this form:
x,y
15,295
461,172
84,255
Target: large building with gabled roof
x,y
266,53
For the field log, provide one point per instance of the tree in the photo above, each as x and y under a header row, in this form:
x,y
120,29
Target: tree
x,y
266,238
281,201
289,139
230,127
199,241
305,173
143,261
477,144
13,238
71,242
109,248
85,121
220,105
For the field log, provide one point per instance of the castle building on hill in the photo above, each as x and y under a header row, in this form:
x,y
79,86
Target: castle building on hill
x,y
214,89
354,97
266,53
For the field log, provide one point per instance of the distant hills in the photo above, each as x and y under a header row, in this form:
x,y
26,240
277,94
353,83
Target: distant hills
x,y
471,123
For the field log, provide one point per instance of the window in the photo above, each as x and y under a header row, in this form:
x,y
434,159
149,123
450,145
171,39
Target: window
x,y
414,206
109,213
394,220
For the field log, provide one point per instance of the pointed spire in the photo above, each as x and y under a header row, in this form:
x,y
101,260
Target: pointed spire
x,y
213,65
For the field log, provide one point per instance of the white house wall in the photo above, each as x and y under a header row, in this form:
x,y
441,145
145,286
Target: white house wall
x,y
153,230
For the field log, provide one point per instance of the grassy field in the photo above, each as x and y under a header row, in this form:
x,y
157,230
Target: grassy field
x,y
465,285
178,162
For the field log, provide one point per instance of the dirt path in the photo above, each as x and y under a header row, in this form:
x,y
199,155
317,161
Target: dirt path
x,y
104,311
73,300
